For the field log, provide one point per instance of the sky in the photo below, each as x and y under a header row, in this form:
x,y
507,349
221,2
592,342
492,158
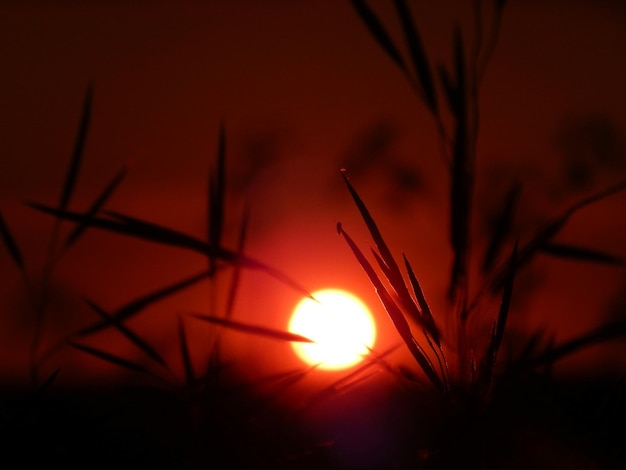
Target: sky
x,y
302,90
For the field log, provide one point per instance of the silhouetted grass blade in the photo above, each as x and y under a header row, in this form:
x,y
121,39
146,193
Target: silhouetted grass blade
x,y
11,244
79,149
148,231
545,235
133,337
610,331
449,88
427,316
253,329
175,238
217,187
130,226
190,376
379,32
348,381
462,178
138,305
389,267
234,285
369,221
501,226
394,312
506,299
578,253
500,324
380,361
67,191
93,210
399,288
108,357
418,56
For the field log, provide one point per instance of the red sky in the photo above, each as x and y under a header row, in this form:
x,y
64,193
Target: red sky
x,y
299,86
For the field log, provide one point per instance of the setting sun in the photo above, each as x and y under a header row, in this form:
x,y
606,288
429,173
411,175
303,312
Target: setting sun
x,y
341,326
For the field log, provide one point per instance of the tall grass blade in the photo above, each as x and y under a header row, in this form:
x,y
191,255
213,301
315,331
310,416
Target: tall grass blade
x,y
11,244
500,324
462,178
608,332
69,185
133,337
217,197
389,265
418,56
79,149
129,226
100,201
138,305
545,235
108,357
394,312
427,316
234,285
379,360
493,39
578,253
150,232
501,226
449,88
348,381
190,376
378,31
253,329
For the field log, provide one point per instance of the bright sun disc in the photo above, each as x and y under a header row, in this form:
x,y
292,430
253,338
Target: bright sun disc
x,y
341,326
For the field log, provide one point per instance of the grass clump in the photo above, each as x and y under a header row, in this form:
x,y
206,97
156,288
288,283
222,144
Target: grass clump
x,y
469,381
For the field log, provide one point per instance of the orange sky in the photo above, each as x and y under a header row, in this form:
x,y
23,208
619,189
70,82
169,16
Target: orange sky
x,y
299,85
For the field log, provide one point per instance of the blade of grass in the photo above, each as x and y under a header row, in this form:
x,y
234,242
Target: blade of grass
x,y
579,253
418,56
216,197
234,285
136,306
133,337
110,358
379,33
73,169
389,265
79,150
190,375
499,327
490,47
348,381
148,231
10,244
431,330
501,226
252,329
462,181
394,312
547,233
608,332
427,316
80,228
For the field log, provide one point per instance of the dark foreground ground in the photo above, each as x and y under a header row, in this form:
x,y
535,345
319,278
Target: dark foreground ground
x,y
536,425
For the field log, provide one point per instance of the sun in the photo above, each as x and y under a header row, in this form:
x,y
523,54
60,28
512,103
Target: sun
x,y
341,326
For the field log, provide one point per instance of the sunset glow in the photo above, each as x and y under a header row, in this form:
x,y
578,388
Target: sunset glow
x,y
341,326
